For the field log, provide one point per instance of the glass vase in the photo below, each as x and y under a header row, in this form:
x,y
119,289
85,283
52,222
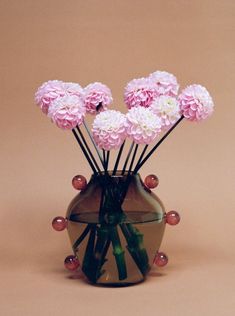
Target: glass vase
x,y
116,225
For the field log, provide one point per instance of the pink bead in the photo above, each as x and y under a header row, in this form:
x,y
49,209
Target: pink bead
x,y
59,223
151,181
172,218
161,259
71,263
79,182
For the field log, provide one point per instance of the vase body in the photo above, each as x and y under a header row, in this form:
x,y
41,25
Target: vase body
x,y
116,226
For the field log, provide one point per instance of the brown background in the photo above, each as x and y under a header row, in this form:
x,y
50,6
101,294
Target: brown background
x,y
113,42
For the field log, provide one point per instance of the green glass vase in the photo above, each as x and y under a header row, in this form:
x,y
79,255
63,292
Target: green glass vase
x,y
116,225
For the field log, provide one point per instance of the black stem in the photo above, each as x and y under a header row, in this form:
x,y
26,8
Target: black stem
x,y
158,144
94,144
140,158
107,160
118,158
80,239
127,158
88,149
104,158
133,158
84,151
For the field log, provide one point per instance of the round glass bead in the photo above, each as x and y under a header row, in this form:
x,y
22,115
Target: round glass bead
x,y
59,223
71,263
79,182
172,218
161,259
151,181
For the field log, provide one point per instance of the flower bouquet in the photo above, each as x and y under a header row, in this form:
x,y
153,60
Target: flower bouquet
x,y
116,223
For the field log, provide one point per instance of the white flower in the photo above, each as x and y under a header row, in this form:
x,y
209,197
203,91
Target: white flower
x,y
109,129
167,109
143,126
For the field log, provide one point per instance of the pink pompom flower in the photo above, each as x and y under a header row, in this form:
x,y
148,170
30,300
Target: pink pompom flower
x,y
109,129
167,109
67,112
52,89
97,97
72,88
47,93
139,92
196,103
165,83
142,125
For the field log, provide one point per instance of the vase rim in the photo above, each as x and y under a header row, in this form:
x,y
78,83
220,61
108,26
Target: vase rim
x,y
118,174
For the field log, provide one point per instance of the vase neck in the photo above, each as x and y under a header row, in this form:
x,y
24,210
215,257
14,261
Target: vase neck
x,y
118,176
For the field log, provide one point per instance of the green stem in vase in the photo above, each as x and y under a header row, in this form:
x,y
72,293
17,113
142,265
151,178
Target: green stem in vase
x,y
81,237
135,247
137,240
101,249
118,252
89,260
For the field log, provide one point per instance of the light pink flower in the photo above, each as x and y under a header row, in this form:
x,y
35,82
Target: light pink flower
x,y
52,89
196,103
67,111
97,97
139,92
142,125
167,109
165,82
72,88
48,92
109,130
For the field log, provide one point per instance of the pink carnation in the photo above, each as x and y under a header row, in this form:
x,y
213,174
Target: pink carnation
x,y
196,103
139,92
67,111
97,97
109,130
167,109
165,83
52,89
142,125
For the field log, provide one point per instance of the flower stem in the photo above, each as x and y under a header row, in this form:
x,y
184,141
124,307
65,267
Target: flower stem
x,y
93,142
81,237
84,151
88,260
158,144
118,252
107,160
127,158
133,159
88,149
104,158
140,158
118,159
135,247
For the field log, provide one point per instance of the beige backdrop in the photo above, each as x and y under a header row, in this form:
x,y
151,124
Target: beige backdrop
x,y
113,42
